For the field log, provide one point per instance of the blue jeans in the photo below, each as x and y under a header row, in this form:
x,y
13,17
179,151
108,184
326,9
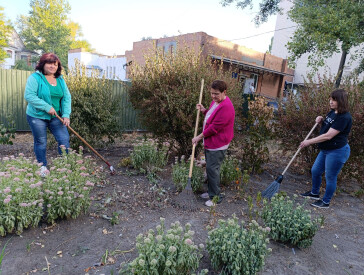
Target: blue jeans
x,y
330,162
39,131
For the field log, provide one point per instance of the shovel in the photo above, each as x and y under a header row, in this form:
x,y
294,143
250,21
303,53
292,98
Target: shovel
x,y
112,170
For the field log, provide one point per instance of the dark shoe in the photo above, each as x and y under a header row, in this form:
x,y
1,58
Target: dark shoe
x,y
308,194
320,204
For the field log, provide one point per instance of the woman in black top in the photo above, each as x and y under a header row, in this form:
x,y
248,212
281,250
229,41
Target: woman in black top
x,y
334,148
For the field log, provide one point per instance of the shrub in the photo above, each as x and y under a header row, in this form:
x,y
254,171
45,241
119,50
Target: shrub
x,y
94,107
166,252
180,172
230,171
252,146
234,249
149,159
289,223
166,90
7,132
25,197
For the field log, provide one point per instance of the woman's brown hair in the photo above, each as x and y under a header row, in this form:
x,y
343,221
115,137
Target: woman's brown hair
x,y
49,58
219,85
341,97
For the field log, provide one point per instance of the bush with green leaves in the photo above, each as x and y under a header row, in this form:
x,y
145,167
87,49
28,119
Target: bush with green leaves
x,y
230,171
166,252
180,171
94,107
289,223
234,249
166,90
7,132
25,197
149,158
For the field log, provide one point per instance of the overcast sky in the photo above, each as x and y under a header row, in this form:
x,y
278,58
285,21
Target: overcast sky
x,y
111,26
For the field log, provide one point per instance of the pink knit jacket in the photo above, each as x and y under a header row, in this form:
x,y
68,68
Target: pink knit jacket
x,y
219,128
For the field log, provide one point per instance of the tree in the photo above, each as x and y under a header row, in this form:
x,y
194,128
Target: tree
x,y
266,8
76,35
45,29
4,32
326,27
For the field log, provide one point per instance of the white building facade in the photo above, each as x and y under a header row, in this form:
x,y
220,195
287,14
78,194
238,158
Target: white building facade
x,y
284,33
112,67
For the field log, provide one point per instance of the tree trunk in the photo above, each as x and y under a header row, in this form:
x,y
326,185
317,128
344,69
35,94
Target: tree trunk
x,y
341,68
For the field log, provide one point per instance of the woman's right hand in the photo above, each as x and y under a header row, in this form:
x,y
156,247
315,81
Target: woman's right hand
x,y
200,107
319,119
52,112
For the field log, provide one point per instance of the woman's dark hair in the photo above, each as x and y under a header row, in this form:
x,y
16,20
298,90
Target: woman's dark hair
x,y
219,85
49,58
341,96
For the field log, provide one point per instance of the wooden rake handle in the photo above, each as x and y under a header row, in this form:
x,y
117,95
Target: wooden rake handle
x,y
299,149
196,128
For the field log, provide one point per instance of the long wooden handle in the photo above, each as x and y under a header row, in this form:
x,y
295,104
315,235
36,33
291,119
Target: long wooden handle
x,y
85,142
299,149
196,128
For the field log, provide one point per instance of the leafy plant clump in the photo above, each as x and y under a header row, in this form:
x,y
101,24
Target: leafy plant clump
x,y
289,223
25,197
7,132
237,250
180,172
169,251
230,171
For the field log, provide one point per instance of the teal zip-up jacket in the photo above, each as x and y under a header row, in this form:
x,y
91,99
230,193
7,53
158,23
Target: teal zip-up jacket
x,y
38,96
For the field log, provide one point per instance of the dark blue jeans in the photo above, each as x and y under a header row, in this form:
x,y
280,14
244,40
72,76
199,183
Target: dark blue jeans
x,y
330,162
214,160
39,131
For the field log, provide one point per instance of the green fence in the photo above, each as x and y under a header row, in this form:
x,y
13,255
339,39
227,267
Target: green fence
x,y
12,102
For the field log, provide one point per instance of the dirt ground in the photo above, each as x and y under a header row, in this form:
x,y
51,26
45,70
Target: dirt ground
x,y
77,246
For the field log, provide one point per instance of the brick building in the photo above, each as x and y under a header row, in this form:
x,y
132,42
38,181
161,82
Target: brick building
x,y
268,73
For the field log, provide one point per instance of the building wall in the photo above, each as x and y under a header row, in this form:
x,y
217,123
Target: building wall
x,y
302,69
111,67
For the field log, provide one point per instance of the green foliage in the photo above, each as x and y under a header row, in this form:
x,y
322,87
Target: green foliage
x,y
149,159
289,223
166,252
252,147
235,250
45,29
3,253
166,90
94,107
76,37
325,27
25,197
5,30
7,132
22,65
180,172
230,171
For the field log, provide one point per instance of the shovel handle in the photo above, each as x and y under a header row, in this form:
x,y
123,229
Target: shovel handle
x,y
299,149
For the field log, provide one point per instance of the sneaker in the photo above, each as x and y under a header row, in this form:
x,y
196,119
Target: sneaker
x,y
320,204
43,172
205,196
209,203
308,194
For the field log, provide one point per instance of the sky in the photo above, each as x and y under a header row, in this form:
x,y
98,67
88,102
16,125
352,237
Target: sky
x,y
111,26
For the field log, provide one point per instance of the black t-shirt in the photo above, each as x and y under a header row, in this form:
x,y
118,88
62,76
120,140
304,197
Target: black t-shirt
x,y
340,122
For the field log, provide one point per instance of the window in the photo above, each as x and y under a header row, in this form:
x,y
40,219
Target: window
x,y
9,54
107,72
114,73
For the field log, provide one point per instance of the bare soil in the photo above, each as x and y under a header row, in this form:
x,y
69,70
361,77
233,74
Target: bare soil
x,y
76,246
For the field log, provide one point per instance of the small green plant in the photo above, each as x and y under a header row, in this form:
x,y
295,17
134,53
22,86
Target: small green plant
x,y
237,250
243,184
115,218
250,207
289,223
166,251
149,159
3,254
180,172
7,132
230,171
125,162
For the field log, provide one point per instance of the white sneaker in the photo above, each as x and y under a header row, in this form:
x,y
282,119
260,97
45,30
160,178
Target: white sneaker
x,y
43,172
205,196
209,203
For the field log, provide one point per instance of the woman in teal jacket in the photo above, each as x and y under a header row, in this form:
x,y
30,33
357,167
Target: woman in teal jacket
x,y
47,94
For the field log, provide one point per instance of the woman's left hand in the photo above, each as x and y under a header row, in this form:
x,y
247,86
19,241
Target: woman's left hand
x,y
66,121
197,139
305,143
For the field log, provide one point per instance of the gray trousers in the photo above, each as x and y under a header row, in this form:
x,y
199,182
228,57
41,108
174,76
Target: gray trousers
x,y
213,163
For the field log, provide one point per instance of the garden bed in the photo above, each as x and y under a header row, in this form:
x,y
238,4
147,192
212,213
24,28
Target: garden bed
x,y
127,200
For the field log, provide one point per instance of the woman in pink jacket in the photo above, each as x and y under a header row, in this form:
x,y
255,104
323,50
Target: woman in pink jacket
x,y
218,131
